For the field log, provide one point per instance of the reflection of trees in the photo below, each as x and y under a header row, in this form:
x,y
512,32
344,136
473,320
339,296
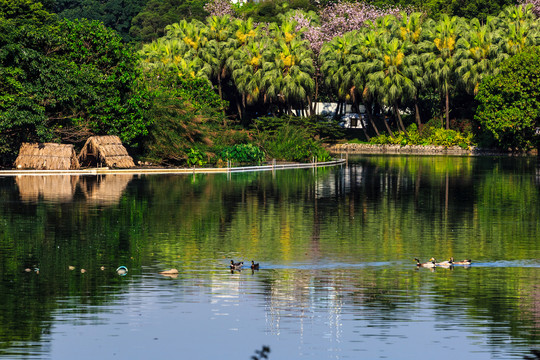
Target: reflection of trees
x,y
378,209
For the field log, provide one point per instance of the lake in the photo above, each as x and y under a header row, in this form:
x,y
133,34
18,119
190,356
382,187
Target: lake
x,y
336,248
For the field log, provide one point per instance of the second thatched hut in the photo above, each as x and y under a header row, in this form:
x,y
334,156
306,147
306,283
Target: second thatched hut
x,y
105,151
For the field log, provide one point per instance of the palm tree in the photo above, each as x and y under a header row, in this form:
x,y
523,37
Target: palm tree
x,y
288,75
519,29
286,31
367,51
441,62
246,64
246,31
478,54
219,48
171,55
391,76
410,27
335,59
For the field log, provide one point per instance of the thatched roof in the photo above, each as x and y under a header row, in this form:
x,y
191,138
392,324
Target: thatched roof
x,y
47,156
47,187
105,151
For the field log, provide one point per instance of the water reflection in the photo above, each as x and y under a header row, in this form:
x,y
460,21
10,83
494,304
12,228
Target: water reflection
x,y
57,188
102,189
336,248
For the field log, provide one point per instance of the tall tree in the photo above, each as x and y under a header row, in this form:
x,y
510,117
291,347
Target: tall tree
x,y
509,103
391,76
478,54
441,62
288,78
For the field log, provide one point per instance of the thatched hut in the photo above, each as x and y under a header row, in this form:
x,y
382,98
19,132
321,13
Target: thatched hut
x,y
105,151
47,156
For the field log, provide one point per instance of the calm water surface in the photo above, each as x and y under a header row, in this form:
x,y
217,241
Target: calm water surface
x,y
337,278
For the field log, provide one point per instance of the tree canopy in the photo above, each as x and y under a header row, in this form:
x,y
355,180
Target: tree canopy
x,y
509,103
64,81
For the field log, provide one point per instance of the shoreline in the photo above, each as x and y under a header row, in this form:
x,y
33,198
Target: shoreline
x,y
430,150
157,171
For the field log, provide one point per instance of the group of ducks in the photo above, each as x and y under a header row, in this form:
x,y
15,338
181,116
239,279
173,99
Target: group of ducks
x,y
432,263
239,265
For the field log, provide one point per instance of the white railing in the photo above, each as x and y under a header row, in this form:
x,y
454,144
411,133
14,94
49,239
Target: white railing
x,y
102,171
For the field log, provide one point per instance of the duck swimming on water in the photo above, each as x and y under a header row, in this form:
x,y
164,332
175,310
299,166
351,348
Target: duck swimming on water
x,y
429,264
237,265
463,262
446,263
254,266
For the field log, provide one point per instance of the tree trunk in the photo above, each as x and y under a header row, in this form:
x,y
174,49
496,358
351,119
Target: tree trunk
x,y
388,128
362,124
447,109
239,108
396,111
219,87
370,118
221,98
417,114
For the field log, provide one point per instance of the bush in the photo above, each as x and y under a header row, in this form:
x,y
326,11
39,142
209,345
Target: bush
x,y
429,136
291,143
196,157
243,153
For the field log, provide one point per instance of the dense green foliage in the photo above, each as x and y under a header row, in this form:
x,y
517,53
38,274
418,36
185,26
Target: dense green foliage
x,y
429,135
149,24
289,139
19,12
114,14
430,68
242,154
509,103
64,81
185,120
480,9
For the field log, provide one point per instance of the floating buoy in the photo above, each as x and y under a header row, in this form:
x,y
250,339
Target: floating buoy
x,y
83,271
122,271
70,267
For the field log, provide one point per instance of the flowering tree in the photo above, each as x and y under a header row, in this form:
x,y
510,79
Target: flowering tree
x,y
534,4
338,19
220,8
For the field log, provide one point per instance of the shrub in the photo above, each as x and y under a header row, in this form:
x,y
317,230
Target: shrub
x,y
196,157
242,153
291,143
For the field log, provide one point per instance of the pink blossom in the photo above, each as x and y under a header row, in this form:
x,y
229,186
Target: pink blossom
x,y
338,19
219,8
535,5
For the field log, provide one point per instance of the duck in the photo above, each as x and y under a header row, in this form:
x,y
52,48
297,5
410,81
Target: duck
x,y
122,271
254,266
463,262
429,264
446,263
236,266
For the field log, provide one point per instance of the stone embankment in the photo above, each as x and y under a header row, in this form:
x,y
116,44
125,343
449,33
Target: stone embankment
x,y
409,150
